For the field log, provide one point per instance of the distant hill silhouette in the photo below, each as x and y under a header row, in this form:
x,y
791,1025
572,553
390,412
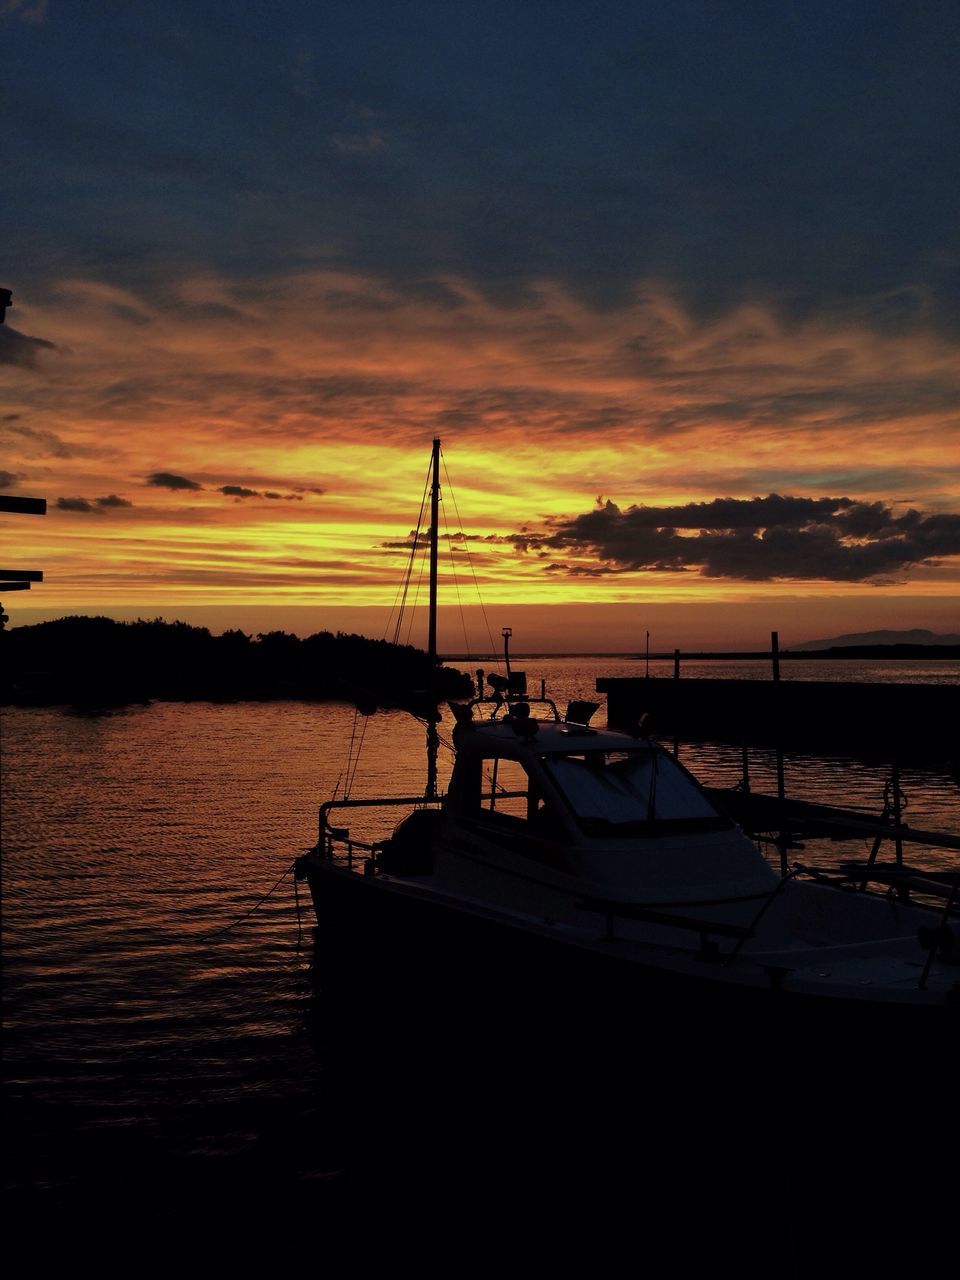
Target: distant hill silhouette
x,y
917,636
98,662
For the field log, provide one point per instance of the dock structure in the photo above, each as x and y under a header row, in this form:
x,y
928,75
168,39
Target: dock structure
x,y
17,579
906,721
899,722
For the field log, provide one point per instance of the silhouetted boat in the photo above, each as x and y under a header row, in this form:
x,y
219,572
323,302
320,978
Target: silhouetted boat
x,y
597,849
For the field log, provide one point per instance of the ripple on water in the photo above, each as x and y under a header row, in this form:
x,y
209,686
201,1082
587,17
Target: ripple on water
x,y
133,844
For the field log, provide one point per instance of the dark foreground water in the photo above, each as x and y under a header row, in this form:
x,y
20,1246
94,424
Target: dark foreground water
x,y
169,1076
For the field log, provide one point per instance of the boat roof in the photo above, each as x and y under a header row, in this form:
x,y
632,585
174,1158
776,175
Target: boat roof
x,y
554,736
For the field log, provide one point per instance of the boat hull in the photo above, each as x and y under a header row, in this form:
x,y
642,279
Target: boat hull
x,y
481,1060
374,930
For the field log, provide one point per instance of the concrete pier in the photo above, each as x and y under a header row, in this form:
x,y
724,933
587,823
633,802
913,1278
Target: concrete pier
x,y
907,721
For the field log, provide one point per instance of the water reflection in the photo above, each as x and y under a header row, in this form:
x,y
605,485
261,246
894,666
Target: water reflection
x,y
140,1038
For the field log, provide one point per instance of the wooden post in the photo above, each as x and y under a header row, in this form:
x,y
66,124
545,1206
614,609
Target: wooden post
x,y
775,655
676,704
897,812
23,506
433,750
781,787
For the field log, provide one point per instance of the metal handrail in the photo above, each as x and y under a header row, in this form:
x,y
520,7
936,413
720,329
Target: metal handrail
x,y
510,698
372,802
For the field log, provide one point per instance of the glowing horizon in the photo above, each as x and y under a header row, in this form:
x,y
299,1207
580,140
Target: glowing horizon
x,y
341,444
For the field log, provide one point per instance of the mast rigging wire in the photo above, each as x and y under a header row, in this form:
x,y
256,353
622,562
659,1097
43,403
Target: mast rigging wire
x,y
456,580
405,583
476,582
356,759
416,595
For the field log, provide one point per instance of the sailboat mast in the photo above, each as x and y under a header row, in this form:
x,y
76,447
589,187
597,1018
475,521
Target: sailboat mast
x,y
434,543
433,737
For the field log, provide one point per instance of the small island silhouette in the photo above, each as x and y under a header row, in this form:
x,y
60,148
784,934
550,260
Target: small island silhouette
x,y
96,663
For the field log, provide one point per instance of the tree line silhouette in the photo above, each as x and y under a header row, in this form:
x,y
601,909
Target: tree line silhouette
x,y
99,662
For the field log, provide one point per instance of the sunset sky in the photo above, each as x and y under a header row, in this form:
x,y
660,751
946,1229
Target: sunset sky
x,y
676,284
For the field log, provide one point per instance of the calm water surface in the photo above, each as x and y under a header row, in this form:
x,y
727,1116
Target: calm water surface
x,y
142,1031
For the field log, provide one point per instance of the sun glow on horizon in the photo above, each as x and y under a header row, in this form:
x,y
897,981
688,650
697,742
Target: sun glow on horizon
x,y
194,452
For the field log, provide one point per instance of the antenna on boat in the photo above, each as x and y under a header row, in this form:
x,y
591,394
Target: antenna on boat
x,y
433,738
507,633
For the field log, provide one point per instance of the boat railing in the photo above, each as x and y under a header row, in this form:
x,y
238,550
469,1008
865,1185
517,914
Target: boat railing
x,y
328,836
511,699
707,929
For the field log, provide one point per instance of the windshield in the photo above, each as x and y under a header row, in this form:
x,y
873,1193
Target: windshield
x,y
620,789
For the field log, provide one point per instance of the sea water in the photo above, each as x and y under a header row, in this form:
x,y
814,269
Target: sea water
x,y
166,1032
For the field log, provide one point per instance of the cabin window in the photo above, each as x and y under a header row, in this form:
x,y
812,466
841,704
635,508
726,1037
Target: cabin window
x,y
500,794
617,790
504,789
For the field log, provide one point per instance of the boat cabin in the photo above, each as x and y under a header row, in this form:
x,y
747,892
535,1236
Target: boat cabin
x,y
588,811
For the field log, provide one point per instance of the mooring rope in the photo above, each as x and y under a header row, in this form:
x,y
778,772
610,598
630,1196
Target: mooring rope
x,y
256,906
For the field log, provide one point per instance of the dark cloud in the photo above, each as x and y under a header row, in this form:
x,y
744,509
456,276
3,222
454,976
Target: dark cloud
x,y
169,480
30,441
317,399
495,408
836,404
77,504
9,479
756,539
96,507
20,349
459,536
242,491
802,155
29,12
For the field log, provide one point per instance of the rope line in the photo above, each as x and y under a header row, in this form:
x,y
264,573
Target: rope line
x,y
456,582
413,553
476,582
259,903
405,581
356,759
346,767
416,597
